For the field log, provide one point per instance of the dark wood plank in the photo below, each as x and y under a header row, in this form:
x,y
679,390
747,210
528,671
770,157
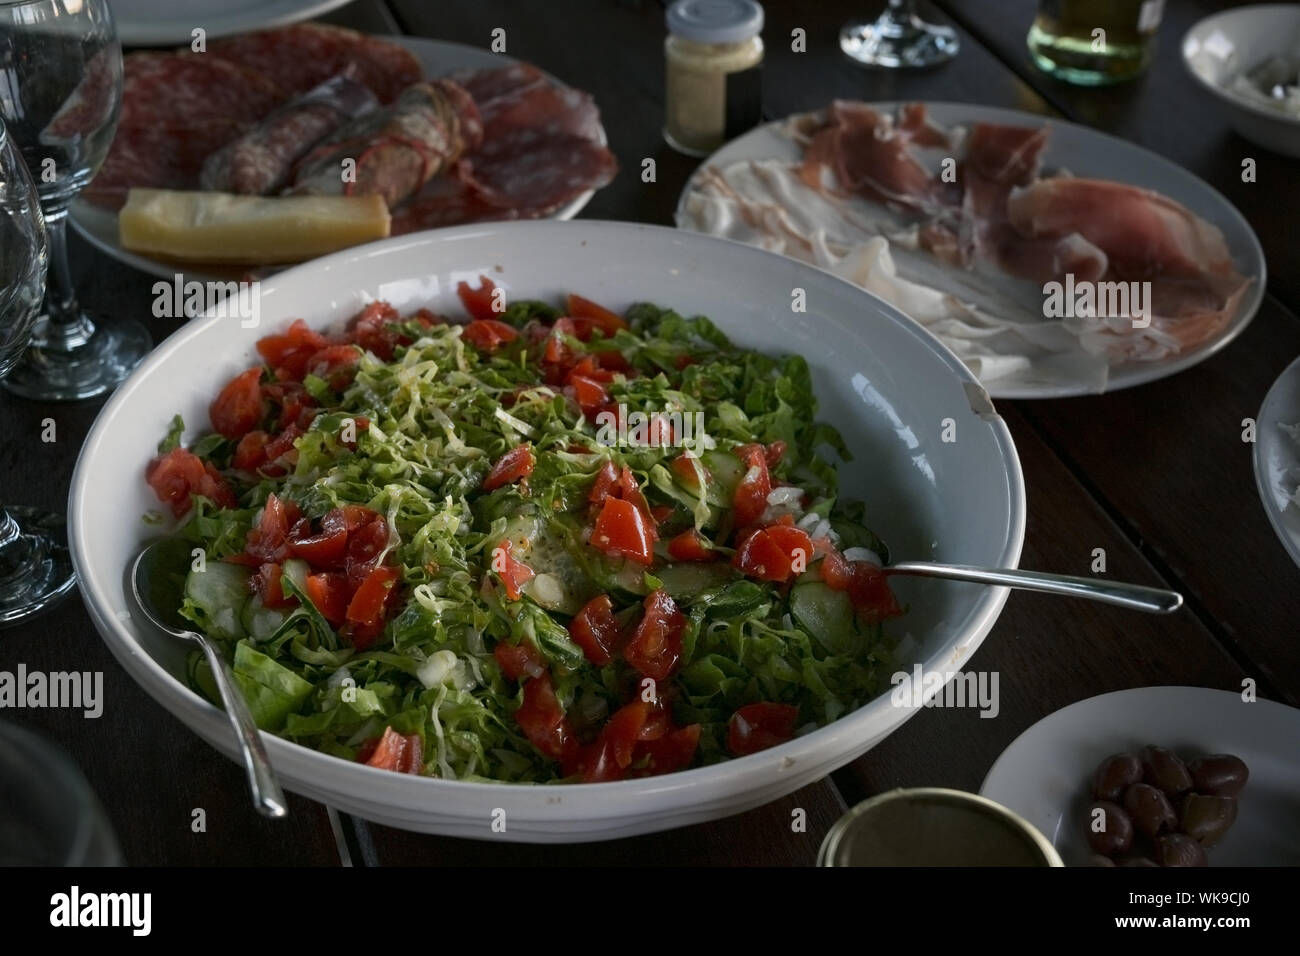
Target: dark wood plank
x,y
1167,111
761,837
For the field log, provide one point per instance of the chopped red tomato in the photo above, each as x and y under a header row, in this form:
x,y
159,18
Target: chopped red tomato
x,y
627,489
774,554
365,544
656,646
179,474
489,334
517,463
281,454
321,549
595,630
251,450
288,352
478,302
267,583
238,408
606,478
623,530
750,498
613,360
589,394
514,574
329,592
756,727
590,317
336,364
518,661
373,596
866,584
691,546
393,751
774,453
371,329
558,353
667,754
542,720
267,539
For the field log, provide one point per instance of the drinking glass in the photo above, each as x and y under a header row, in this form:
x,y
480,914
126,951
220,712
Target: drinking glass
x,y
35,570
899,38
60,92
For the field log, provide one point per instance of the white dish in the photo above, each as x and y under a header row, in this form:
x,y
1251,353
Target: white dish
x,y
98,226
884,381
1277,457
169,22
1085,152
1047,771
1224,45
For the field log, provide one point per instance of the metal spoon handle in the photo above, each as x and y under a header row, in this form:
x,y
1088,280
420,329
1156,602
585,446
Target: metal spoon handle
x,y
1133,596
267,794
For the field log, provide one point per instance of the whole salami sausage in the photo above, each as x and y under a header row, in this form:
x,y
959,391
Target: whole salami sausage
x,y
396,150
262,161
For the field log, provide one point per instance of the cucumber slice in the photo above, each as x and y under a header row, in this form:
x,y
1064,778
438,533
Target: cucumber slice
x,y
727,470
825,614
561,583
260,622
684,581
217,595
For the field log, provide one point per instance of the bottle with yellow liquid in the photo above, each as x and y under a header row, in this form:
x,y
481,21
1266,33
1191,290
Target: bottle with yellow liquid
x,y
1095,42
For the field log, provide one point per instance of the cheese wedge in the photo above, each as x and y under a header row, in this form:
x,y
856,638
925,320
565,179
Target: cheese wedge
x,y
246,230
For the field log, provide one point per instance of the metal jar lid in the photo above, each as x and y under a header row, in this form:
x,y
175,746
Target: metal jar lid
x,y
715,21
932,826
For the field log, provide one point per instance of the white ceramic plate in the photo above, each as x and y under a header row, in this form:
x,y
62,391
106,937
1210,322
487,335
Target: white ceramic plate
x,y
437,58
1277,457
1046,773
1224,45
884,381
169,22
1085,152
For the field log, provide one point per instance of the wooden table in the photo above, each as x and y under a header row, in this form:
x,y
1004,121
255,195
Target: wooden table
x,y
1158,476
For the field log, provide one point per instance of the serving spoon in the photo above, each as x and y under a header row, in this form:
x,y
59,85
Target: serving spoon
x,y
1136,597
157,581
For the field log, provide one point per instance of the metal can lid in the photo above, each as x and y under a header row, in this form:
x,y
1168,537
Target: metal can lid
x,y
715,21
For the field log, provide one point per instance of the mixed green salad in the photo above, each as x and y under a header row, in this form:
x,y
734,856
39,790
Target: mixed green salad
x,y
549,543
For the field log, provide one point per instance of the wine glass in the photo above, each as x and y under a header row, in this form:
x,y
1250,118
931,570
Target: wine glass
x,y
60,92
899,38
35,570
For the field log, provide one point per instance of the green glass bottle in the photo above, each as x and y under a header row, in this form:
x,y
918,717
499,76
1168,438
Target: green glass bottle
x,y
1094,42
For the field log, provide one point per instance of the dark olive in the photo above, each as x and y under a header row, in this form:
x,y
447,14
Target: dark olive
x,y
1096,859
1110,831
1219,775
1206,818
1178,849
1150,809
1138,861
1165,771
1114,775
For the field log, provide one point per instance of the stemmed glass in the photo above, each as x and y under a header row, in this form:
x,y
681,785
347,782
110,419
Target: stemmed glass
x,y
35,570
899,38
60,92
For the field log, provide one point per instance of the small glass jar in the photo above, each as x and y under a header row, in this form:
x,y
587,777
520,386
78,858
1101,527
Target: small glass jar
x,y
714,59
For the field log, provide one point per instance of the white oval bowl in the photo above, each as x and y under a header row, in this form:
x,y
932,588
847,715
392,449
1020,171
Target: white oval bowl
x,y
1219,47
893,390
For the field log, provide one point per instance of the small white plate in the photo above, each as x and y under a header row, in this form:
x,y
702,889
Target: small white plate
x,y
1084,152
169,22
1046,773
98,225
1277,458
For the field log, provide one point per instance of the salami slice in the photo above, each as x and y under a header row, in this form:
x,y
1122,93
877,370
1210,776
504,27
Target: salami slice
x,y
545,112
488,86
156,157
187,90
304,55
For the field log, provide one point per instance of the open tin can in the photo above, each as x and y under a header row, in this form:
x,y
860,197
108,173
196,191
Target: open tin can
x,y
932,826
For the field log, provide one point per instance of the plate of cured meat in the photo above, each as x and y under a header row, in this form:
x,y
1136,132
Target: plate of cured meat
x,y
1054,260
277,146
